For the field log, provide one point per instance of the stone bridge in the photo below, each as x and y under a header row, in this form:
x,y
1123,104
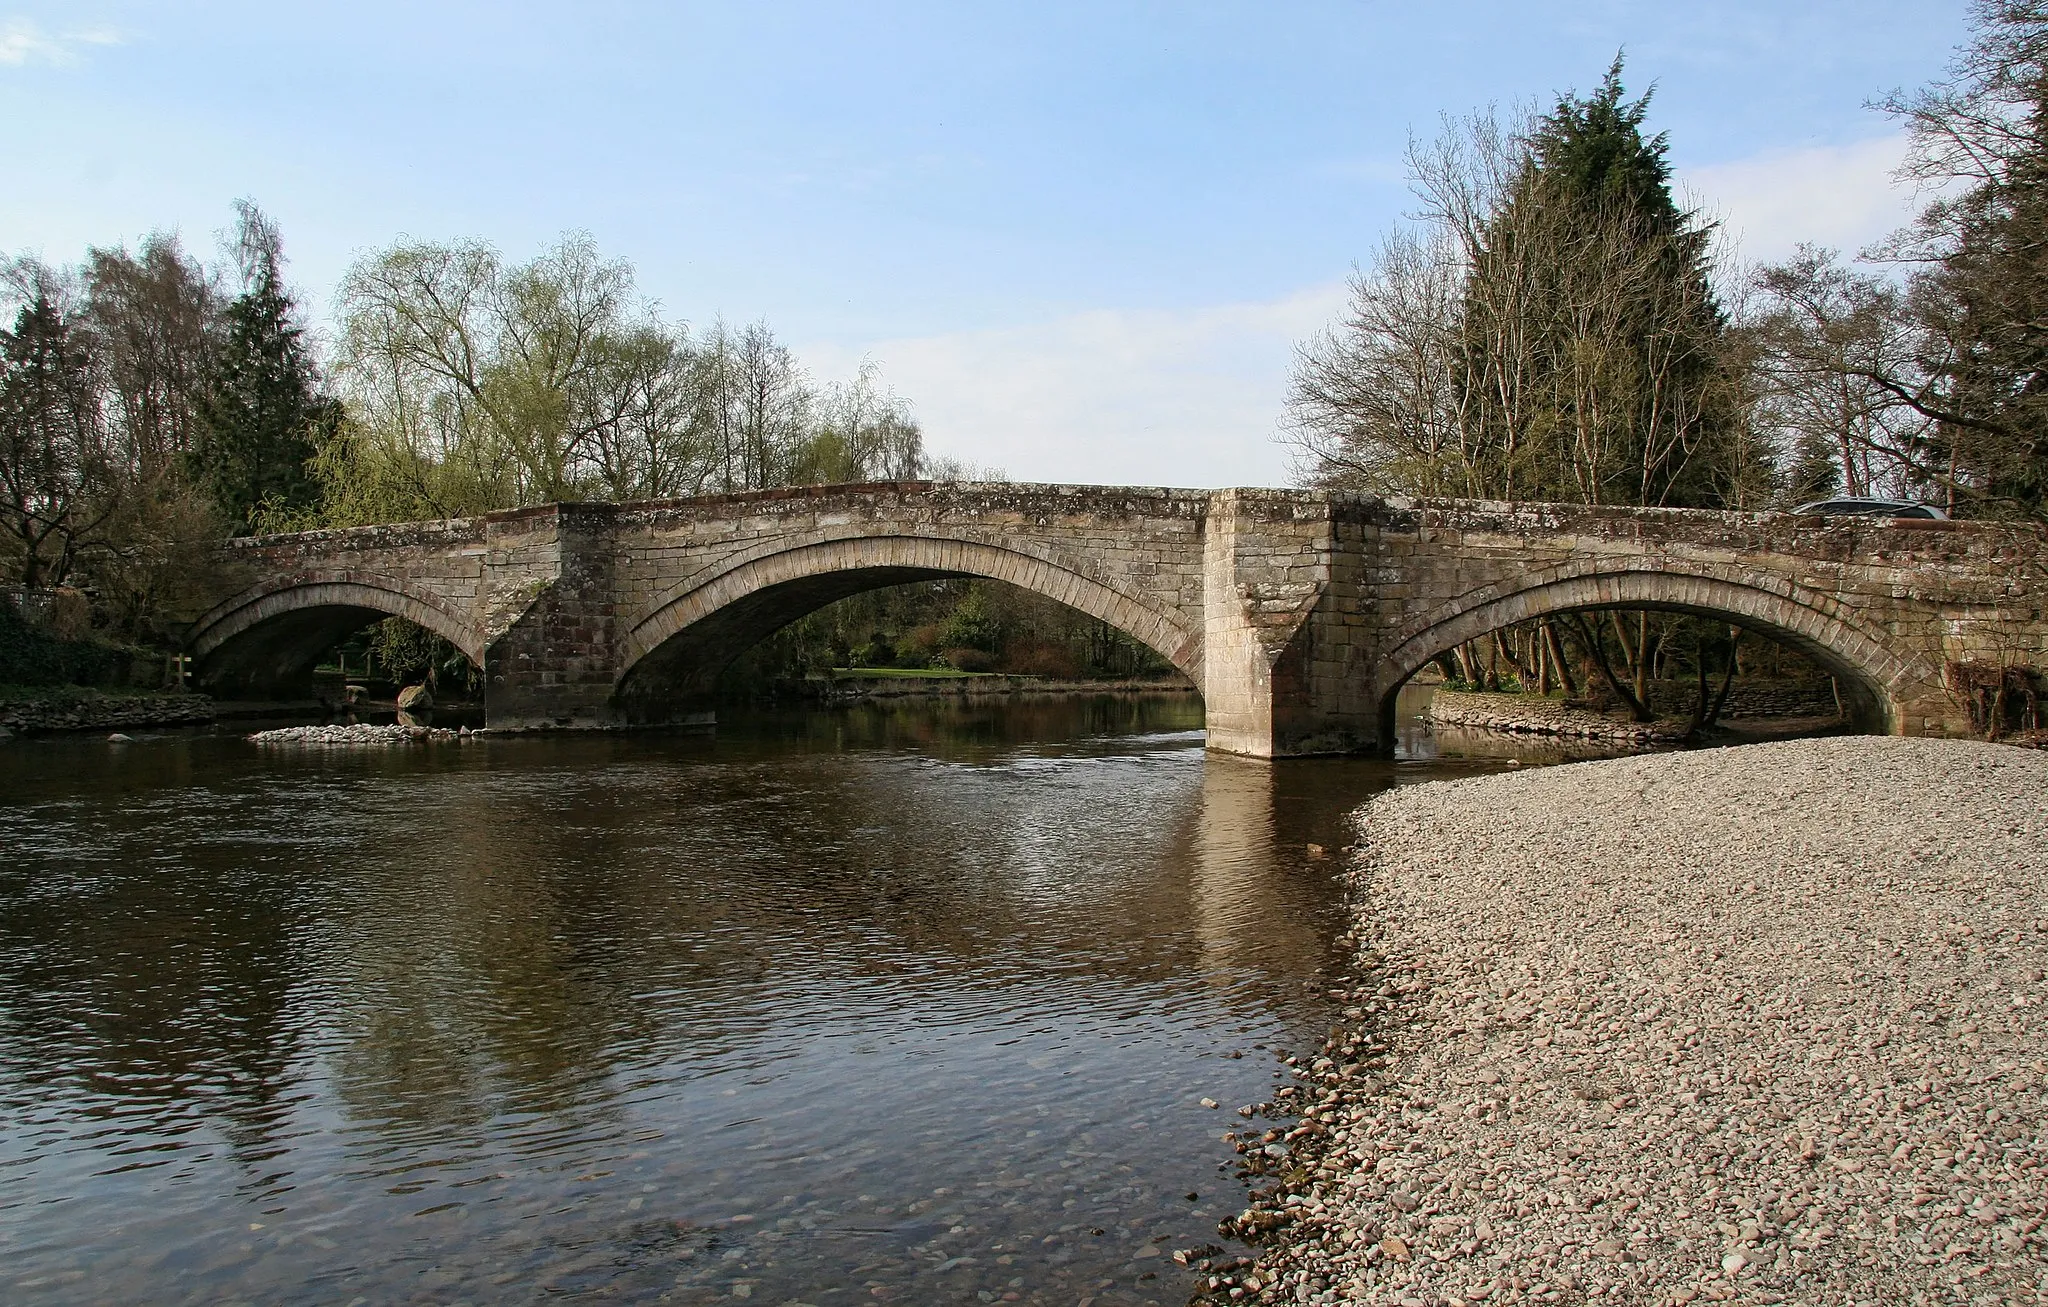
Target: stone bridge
x,y
1297,614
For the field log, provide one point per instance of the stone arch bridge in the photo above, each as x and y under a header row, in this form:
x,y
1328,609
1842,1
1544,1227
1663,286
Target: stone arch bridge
x,y
1297,614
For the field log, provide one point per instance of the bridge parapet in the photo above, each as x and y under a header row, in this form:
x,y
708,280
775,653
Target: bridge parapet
x,y
1298,614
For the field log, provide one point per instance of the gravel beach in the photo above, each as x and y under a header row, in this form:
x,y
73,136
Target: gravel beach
x,y
1754,1024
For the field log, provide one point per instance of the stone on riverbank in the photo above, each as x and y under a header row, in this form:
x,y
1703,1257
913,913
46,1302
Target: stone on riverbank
x,y
359,735
90,710
1529,714
1755,1024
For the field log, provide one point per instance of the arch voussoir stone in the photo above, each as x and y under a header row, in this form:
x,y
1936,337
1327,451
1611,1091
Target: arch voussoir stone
x,y
332,588
785,563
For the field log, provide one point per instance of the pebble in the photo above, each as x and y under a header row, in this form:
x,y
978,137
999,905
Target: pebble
x,y
1751,1024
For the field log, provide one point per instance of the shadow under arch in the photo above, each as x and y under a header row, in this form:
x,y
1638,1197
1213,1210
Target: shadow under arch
x,y
677,651
1875,680
265,641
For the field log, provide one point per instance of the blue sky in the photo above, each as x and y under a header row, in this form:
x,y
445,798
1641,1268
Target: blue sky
x,y
1081,238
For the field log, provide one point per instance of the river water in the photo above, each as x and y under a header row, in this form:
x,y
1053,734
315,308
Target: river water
x,y
912,1002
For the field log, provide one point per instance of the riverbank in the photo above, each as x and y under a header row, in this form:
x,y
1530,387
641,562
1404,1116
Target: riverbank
x,y
1758,712
359,735
1529,714
66,709
1753,1024
854,686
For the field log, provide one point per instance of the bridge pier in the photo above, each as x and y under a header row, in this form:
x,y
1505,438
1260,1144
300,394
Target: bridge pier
x,y
552,657
1283,645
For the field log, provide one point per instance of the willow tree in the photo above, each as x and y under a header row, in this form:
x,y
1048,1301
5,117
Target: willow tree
x,y
475,384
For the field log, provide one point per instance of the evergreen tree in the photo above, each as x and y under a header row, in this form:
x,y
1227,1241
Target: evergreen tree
x,y
263,414
1595,367
54,466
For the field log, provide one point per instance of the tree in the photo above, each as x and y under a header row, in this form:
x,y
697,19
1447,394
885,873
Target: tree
x,y
861,432
152,316
1979,286
1835,348
1550,331
55,471
263,416
1595,339
476,386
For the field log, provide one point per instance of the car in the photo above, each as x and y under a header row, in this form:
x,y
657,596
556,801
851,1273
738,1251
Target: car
x,y
1864,506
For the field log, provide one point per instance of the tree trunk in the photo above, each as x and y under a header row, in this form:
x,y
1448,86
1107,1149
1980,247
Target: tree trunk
x,y
1564,666
1600,660
1727,676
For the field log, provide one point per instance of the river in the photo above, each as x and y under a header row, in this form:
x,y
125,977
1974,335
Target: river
x,y
912,1002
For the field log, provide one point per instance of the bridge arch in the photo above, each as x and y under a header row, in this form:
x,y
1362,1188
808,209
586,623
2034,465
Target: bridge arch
x,y
265,640
1877,680
690,635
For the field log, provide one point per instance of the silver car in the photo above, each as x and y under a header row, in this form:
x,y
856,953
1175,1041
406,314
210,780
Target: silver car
x,y
1864,506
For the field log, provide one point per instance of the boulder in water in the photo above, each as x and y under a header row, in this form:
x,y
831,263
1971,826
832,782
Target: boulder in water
x,y
415,698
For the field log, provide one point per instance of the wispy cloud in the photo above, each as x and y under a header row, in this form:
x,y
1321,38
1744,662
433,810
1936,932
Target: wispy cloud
x,y
23,41
1188,397
1841,196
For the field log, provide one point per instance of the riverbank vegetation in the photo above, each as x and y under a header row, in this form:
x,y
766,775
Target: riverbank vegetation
x,y
1639,666
963,625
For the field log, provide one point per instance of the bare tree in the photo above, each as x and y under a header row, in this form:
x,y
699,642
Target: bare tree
x,y
1837,347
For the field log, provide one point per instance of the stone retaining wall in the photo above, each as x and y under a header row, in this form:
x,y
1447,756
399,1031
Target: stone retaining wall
x,y
1764,698
105,712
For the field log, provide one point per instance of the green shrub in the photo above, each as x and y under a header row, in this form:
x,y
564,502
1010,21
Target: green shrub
x,y
970,660
29,656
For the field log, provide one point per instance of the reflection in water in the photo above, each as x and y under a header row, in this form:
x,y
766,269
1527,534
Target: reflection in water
x,y
903,1001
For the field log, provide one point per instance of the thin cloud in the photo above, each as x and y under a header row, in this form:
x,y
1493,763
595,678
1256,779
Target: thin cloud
x,y
23,42
1187,397
1840,196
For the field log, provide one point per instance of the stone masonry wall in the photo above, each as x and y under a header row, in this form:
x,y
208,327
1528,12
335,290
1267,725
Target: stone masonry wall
x,y
103,712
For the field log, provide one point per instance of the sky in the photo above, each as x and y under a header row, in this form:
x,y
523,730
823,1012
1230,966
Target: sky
x,y
1082,239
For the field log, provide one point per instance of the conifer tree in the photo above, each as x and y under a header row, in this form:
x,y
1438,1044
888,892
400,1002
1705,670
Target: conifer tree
x,y
263,413
1594,343
54,469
